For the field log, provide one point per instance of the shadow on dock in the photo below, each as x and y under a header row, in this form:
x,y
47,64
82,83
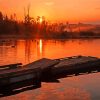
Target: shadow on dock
x,y
55,78
16,91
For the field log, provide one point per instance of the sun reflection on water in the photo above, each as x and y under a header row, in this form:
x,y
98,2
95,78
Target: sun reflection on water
x,y
40,45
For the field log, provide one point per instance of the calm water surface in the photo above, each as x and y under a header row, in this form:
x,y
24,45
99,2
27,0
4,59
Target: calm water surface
x,y
84,87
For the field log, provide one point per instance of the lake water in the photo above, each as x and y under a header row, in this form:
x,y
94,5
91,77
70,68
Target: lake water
x,y
83,87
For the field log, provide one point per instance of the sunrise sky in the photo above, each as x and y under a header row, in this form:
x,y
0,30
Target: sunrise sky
x,y
55,10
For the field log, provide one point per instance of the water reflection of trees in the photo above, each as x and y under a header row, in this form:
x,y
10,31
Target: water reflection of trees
x,y
28,50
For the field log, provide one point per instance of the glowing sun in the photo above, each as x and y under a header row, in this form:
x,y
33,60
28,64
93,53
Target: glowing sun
x,y
41,20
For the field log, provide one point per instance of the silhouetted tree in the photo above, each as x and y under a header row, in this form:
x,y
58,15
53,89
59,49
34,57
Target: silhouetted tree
x,y
1,16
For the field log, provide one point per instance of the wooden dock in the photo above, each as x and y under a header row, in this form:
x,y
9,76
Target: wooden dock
x,y
76,64
30,73
33,73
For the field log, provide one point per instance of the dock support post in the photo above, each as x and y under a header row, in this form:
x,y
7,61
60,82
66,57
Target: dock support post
x,y
37,79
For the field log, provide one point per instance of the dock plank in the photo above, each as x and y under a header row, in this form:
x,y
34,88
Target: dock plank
x,y
74,61
10,66
76,64
42,63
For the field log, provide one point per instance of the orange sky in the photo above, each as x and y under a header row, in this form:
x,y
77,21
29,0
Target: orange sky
x,y
59,10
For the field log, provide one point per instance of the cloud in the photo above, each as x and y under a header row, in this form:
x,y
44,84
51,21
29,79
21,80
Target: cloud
x,y
49,3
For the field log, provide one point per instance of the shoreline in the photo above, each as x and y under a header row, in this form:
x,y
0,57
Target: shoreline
x,y
34,37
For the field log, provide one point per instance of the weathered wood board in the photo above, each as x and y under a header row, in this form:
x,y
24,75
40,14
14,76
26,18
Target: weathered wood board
x,y
75,63
26,72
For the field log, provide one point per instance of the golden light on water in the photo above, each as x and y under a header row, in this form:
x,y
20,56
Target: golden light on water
x,y
40,45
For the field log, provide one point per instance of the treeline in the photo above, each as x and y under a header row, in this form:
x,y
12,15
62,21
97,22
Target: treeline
x,y
8,25
39,27
29,25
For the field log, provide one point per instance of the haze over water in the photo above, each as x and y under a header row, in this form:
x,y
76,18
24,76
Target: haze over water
x,y
84,87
